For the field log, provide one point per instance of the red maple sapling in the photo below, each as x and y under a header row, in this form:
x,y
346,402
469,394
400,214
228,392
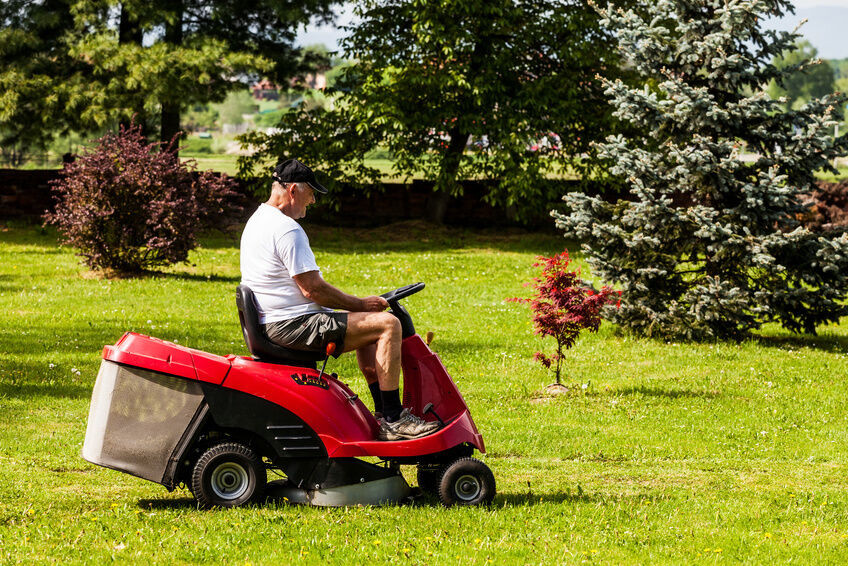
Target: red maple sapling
x,y
562,306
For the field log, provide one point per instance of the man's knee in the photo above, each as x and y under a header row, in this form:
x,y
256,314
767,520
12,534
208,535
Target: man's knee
x,y
391,326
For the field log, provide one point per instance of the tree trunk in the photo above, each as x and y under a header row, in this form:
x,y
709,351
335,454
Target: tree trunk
x,y
437,204
170,108
130,33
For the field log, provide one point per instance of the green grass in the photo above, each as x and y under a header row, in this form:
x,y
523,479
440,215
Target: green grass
x,y
674,453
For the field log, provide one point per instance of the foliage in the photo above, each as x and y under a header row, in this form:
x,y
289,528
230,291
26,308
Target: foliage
x,y
827,207
195,145
458,90
128,206
88,64
270,118
40,81
200,117
708,245
806,77
562,306
733,451
235,106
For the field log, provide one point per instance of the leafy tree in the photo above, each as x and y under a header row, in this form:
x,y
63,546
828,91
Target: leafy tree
x,y
709,245
40,81
79,67
806,77
459,89
235,106
127,206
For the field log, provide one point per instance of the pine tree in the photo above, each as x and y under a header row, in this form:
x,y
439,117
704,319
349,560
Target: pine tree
x,y
708,244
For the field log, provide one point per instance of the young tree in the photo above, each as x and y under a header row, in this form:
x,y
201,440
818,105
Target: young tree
x,y
459,89
708,244
563,306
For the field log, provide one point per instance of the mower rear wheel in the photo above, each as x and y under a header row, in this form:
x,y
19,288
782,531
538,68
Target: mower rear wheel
x,y
228,475
467,481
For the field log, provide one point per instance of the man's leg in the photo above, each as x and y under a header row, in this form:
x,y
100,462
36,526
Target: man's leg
x,y
383,331
367,358
380,331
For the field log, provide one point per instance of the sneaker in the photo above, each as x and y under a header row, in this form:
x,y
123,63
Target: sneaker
x,y
407,427
378,415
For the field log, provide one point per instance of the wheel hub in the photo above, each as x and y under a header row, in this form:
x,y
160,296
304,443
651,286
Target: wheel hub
x,y
229,481
467,487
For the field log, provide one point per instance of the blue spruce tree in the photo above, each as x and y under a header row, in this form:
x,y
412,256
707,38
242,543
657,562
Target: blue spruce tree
x,y
708,245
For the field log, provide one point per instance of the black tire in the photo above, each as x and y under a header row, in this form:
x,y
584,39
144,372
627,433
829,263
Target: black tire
x,y
428,479
467,482
228,475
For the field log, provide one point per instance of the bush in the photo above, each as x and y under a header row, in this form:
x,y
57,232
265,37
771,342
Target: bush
x,y
828,207
128,205
562,306
196,145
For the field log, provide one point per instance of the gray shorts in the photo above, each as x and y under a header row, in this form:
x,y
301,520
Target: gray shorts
x,y
311,332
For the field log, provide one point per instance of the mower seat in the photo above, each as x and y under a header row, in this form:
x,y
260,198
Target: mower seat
x,y
257,341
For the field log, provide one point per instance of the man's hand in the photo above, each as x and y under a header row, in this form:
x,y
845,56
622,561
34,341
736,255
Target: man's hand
x,y
374,304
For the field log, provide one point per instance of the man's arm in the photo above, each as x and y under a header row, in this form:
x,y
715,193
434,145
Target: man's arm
x,y
314,288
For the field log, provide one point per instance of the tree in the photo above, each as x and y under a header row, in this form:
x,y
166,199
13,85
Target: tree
x,y
39,79
563,306
235,106
807,76
459,89
708,245
81,69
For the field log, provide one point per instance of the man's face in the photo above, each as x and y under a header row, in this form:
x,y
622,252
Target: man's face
x,y
303,195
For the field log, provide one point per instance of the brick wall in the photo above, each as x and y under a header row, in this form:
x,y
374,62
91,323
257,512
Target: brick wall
x,y
26,194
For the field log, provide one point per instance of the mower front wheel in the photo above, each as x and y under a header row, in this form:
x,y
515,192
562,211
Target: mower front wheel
x,y
228,475
467,481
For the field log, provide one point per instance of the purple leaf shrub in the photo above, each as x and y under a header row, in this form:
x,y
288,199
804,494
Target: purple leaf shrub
x,y
128,205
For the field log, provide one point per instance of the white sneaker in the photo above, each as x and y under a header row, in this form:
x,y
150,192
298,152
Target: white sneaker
x,y
407,427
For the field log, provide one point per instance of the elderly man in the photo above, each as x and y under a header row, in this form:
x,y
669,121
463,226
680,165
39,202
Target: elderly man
x,y
296,305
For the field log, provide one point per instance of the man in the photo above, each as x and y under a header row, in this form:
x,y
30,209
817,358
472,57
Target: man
x,y
295,303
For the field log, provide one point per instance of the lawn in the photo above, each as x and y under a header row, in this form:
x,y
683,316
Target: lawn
x,y
671,453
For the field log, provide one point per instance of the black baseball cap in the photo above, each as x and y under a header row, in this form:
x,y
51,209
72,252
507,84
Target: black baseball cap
x,y
293,171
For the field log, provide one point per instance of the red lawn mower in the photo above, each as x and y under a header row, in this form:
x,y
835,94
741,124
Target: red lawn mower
x,y
174,415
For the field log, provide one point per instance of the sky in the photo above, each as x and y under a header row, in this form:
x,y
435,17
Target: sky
x,y
826,28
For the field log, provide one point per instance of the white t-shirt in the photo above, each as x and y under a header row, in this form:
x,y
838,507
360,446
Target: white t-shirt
x,y
273,249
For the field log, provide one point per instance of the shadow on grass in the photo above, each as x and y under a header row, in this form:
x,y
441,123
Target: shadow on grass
x,y
530,498
419,236
233,279
30,390
181,503
669,394
827,343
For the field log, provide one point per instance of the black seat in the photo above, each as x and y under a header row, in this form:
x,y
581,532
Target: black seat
x,y
257,341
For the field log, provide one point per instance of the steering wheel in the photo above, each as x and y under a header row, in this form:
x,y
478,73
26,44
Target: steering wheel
x,y
401,292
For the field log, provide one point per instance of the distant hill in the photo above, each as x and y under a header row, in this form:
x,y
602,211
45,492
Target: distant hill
x,y
825,28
